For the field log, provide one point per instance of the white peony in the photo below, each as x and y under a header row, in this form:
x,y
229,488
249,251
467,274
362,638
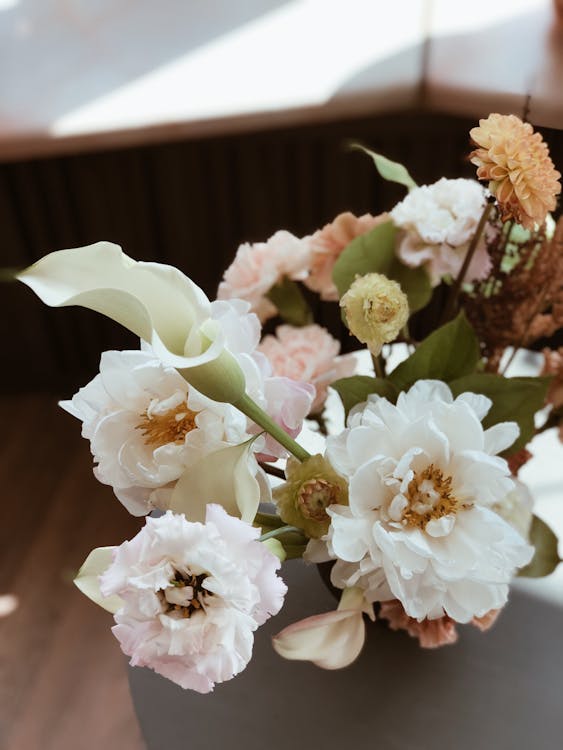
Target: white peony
x,y
420,526
439,221
192,596
146,425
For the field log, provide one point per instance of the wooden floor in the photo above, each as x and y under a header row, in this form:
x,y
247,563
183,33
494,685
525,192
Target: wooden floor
x,y
63,682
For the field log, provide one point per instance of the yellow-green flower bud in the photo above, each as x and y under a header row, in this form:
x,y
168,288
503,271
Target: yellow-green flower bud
x,y
311,486
375,308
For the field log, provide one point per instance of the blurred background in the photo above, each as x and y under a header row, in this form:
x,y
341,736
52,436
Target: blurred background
x,y
179,130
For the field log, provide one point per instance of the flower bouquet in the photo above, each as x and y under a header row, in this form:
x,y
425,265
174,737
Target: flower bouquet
x,y
414,508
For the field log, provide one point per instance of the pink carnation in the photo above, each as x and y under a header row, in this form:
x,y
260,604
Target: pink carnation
x,y
327,244
430,633
307,354
258,267
192,596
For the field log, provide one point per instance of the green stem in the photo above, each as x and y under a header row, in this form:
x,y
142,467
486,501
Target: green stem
x,y
378,365
247,406
456,287
277,532
272,470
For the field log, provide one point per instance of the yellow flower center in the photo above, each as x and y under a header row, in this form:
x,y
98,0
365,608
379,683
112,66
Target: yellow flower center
x,y
314,497
170,427
430,497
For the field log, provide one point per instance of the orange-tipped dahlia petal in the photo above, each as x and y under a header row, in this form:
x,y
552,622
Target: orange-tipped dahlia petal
x,y
516,162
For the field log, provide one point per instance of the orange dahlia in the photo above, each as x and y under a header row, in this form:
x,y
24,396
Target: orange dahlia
x,y
517,164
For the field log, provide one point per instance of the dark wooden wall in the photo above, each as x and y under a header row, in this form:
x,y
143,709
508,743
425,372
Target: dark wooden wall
x,y
191,204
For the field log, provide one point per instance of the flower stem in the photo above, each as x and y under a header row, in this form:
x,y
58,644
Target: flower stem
x,y
249,407
378,365
449,309
277,532
273,470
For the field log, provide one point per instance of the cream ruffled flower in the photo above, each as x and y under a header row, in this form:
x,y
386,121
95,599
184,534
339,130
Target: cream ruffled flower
x,y
439,222
376,309
423,479
192,596
309,354
516,162
328,243
258,267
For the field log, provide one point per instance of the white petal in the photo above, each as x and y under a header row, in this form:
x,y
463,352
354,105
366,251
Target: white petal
x,y
501,436
477,402
331,641
226,477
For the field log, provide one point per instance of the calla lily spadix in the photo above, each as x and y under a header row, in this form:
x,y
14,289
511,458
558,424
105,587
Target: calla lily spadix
x,y
160,305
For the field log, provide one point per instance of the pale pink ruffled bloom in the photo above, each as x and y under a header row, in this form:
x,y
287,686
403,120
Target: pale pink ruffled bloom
x,y
259,266
328,243
308,354
430,633
192,596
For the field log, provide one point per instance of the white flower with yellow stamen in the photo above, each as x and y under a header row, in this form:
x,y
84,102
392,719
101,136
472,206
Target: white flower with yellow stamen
x,y
420,526
146,425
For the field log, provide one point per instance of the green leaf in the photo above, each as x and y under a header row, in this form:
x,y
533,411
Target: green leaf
x,y
546,557
389,170
448,353
292,305
374,252
514,400
356,389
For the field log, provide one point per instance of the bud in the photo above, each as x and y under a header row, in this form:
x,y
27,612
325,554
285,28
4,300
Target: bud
x,y
311,487
375,308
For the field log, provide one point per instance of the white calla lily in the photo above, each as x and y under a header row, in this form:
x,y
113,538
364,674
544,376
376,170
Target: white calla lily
x,y
156,302
88,578
226,477
332,640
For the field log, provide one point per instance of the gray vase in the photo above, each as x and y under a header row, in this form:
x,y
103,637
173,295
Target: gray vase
x,y
501,690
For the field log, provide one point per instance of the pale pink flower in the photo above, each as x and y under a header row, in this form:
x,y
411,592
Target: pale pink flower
x,y
328,243
259,266
288,402
192,596
308,354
